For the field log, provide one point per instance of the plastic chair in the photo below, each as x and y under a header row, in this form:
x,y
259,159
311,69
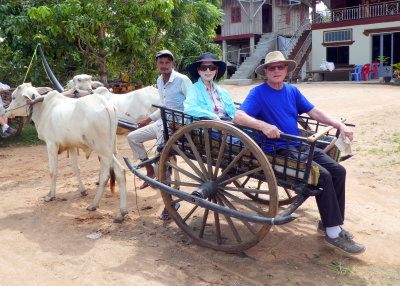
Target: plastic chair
x,y
374,70
365,72
356,73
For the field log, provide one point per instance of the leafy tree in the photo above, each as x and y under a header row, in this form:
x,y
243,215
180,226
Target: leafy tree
x,y
107,37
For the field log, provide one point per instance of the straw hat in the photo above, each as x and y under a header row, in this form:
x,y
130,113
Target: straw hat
x,y
207,57
274,57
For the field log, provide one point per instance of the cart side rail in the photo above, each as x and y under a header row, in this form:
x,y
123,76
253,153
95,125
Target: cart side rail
x,y
290,156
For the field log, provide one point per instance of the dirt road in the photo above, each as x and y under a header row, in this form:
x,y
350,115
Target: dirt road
x,y
47,244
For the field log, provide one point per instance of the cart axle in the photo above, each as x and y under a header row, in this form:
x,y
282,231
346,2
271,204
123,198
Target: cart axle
x,y
207,190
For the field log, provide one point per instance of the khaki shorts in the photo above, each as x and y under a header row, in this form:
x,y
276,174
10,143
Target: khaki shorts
x,y
2,109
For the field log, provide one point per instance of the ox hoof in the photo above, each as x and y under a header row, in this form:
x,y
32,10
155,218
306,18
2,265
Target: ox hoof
x,y
120,218
84,193
48,198
91,208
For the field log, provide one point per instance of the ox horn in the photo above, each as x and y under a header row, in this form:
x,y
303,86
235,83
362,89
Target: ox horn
x,y
32,102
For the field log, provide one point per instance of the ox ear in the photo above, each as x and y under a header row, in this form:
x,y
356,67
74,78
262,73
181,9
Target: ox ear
x,y
27,97
96,84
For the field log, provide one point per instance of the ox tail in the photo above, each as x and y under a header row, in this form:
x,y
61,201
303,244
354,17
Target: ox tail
x,y
112,181
112,113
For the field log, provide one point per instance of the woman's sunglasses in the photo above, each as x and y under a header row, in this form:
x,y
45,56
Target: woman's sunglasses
x,y
205,67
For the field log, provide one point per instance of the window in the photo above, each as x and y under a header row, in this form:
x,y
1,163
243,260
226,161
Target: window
x,y
338,55
337,36
236,16
386,45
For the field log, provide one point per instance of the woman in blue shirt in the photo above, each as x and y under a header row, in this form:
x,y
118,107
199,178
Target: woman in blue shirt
x,y
206,98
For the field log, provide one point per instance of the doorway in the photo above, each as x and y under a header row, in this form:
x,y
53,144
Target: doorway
x,y
266,19
386,45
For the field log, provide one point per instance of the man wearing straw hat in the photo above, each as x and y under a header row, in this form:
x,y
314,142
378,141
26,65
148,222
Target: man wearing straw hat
x,y
272,108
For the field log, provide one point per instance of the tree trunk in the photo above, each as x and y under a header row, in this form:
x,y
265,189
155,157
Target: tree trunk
x,y
103,73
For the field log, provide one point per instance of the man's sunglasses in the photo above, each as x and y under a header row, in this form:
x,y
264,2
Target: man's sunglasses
x,y
281,67
205,67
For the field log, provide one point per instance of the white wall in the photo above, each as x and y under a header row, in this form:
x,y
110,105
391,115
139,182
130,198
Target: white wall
x,y
360,50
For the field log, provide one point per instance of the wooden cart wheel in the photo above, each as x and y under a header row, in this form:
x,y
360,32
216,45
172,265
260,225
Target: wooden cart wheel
x,y
17,123
285,196
206,161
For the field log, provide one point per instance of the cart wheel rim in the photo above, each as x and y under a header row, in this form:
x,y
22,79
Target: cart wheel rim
x,y
206,161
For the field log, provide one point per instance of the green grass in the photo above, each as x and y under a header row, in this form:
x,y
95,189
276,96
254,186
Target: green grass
x,y
27,137
374,151
339,268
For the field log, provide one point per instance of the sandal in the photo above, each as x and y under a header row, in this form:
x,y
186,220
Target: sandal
x,y
165,215
146,184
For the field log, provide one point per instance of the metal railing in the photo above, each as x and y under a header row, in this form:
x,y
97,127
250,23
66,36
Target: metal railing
x,y
358,12
305,25
303,49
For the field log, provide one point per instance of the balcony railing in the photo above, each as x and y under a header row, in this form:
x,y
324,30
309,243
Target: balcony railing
x,y
358,12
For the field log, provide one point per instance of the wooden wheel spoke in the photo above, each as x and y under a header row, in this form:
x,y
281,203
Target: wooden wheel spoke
x,y
196,154
229,167
288,193
243,190
229,204
217,224
180,183
244,203
230,222
203,223
220,154
207,144
173,202
190,213
242,184
259,184
183,171
230,180
188,161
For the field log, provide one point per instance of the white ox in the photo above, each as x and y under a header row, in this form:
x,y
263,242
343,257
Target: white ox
x,y
132,106
88,123
135,105
81,82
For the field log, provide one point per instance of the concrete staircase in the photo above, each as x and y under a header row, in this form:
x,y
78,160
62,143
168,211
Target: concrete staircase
x,y
245,71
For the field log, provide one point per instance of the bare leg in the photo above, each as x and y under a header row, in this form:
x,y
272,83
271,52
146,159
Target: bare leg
x,y
3,120
149,173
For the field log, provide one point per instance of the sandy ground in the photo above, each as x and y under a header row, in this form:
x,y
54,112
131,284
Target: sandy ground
x,y
47,244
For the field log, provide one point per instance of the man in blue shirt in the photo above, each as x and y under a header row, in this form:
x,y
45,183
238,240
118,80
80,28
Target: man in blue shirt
x,y
273,108
172,87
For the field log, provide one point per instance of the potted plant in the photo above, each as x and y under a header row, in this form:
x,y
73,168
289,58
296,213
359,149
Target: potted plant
x,y
396,73
384,70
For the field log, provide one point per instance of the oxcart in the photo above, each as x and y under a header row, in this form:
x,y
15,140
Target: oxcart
x,y
233,179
